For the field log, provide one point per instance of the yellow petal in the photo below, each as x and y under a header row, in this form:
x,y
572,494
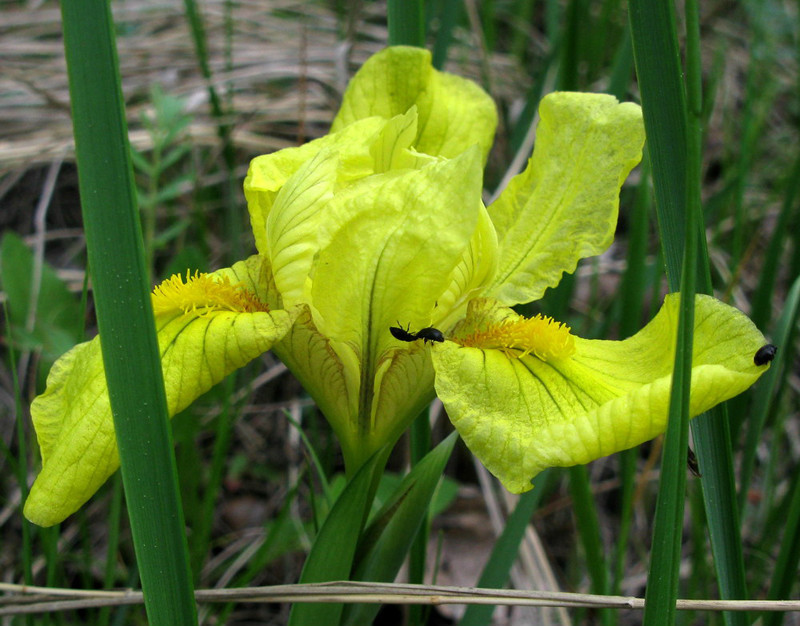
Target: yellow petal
x,y
268,173
522,414
454,113
201,342
563,207
388,248
300,211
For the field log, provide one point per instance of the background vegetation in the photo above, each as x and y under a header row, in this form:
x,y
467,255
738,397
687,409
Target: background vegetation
x,y
260,76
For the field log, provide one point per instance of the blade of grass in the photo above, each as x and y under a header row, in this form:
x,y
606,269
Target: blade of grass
x,y
762,299
112,550
448,18
331,556
659,78
19,466
658,68
124,312
711,431
762,403
384,544
406,23
420,444
784,576
233,221
655,51
588,525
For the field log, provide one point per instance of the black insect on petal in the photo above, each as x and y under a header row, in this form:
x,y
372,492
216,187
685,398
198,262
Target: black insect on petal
x,y
426,334
401,334
430,334
765,354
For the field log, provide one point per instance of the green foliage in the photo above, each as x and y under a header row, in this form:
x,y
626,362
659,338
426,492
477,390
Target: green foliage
x,y
42,313
161,178
750,208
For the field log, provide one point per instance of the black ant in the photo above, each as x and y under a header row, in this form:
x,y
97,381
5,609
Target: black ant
x,y
426,334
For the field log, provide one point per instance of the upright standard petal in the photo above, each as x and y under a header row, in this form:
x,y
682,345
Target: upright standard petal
x,y
563,207
579,399
387,251
208,326
300,210
454,113
268,173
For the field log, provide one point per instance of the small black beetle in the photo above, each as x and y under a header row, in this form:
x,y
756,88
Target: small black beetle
x,y
402,334
765,354
430,334
426,334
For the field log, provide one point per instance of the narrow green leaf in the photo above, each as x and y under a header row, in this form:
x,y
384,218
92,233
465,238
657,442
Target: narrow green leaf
x,y
420,443
331,556
784,576
124,312
18,464
387,539
665,113
406,23
762,299
762,403
589,531
657,60
448,18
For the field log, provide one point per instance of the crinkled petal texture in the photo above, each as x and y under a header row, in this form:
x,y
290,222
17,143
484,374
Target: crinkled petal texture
x,y
520,416
380,250
362,232
268,173
454,113
563,207
199,348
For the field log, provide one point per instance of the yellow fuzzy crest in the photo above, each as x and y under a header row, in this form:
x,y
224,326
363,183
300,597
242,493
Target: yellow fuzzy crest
x,y
202,294
540,335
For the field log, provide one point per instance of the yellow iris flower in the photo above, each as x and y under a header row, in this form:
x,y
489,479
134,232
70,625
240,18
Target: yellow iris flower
x,y
380,223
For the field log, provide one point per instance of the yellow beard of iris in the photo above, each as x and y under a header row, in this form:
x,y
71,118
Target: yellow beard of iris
x,y
540,335
202,294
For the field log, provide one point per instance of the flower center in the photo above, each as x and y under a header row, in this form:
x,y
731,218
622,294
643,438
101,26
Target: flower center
x,y
203,294
540,335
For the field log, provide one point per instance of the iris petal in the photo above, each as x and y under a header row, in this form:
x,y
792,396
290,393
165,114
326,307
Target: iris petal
x,y
563,207
73,418
454,113
520,415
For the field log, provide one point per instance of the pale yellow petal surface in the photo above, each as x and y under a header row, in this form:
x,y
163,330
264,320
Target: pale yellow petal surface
x,y
73,419
388,250
454,113
563,207
520,416
300,210
392,243
268,173
469,278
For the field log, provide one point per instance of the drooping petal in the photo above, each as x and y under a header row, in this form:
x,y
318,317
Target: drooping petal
x,y
522,414
207,327
563,207
454,113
